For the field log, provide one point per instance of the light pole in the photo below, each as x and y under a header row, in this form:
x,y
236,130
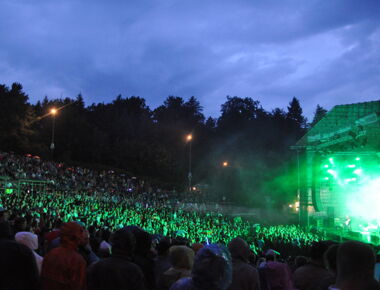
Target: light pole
x,y
53,112
189,138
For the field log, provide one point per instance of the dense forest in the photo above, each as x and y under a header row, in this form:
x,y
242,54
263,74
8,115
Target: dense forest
x,y
151,143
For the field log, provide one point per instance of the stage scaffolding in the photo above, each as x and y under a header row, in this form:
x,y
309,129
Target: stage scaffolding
x,y
347,131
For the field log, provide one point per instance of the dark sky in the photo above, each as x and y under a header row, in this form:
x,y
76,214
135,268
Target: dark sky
x,y
324,52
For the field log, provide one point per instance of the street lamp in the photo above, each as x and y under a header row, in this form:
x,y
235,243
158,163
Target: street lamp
x,y
189,138
53,112
225,163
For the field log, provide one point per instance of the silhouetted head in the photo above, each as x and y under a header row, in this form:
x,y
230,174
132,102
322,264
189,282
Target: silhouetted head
x,y
71,234
300,261
330,258
181,257
239,249
355,260
123,242
143,240
212,268
318,249
163,247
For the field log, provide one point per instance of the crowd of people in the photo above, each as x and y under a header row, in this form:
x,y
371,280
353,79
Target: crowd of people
x,y
98,230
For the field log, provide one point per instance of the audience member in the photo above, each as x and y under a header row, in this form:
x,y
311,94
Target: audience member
x,y
309,275
212,270
244,276
182,259
117,271
355,267
63,267
274,274
31,241
18,269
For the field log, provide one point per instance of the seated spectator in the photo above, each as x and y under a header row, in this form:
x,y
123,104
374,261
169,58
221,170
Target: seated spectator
x,y
308,276
182,259
18,269
212,270
31,241
63,267
244,276
355,266
273,274
117,271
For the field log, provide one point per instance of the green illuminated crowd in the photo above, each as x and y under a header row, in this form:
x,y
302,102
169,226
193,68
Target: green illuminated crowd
x,y
157,214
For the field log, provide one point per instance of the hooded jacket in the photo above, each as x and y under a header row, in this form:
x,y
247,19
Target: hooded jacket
x,y
31,241
212,270
182,259
64,268
244,276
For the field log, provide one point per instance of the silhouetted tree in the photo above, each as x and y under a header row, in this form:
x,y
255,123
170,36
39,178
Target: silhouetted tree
x,y
16,116
127,134
319,114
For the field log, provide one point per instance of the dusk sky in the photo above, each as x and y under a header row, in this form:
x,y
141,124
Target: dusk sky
x,y
324,52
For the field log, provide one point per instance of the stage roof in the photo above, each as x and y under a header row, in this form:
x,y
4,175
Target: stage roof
x,y
349,127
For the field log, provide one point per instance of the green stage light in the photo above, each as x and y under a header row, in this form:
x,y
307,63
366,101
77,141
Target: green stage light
x,y
326,166
351,166
366,202
326,178
358,171
333,173
331,160
357,158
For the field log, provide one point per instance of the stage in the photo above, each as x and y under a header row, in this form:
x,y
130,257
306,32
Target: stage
x,y
339,173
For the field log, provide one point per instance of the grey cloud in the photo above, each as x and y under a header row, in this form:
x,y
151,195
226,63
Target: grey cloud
x,y
269,50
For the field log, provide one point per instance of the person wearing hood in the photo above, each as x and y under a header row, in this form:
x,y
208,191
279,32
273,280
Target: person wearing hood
x,y
18,269
274,274
244,276
117,271
31,241
212,269
182,259
63,267
142,255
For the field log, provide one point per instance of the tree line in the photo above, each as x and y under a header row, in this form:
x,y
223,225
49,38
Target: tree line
x,y
151,143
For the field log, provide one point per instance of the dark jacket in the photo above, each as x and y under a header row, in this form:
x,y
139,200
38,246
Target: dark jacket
x,y
115,272
244,276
